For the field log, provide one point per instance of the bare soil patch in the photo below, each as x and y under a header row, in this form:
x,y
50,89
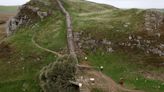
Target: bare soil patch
x,y
103,82
5,50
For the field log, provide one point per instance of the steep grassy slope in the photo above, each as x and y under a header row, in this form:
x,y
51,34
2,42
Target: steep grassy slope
x,y
100,22
21,61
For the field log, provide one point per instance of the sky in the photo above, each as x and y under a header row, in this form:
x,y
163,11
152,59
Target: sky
x,y
13,2
117,3
133,3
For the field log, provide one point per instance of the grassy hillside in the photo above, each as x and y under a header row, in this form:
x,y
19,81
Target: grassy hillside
x,y
8,9
21,61
101,21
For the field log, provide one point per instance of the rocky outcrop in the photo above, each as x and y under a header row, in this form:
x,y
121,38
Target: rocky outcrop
x,y
151,39
87,42
149,45
27,14
153,21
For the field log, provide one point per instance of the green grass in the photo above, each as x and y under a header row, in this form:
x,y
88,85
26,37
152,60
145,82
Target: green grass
x,y
20,70
96,90
102,22
20,86
118,65
8,9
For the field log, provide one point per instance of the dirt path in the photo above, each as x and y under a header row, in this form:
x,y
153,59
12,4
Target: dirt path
x,y
93,13
45,49
102,81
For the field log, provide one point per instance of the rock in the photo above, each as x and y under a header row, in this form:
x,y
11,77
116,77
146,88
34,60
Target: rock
x,y
147,41
38,59
105,42
130,37
158,34
157,51
161,46
22,18
147,52
42,14
126,25
80,45
34,9
139,37
110,50
129,44
11,26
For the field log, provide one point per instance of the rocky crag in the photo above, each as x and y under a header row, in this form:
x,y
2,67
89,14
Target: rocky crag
x,y
29,13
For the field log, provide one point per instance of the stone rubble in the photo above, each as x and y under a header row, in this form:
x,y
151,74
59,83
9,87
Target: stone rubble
x,y
90,43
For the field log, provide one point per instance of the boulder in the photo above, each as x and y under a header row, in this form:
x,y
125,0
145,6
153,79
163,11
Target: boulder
x,y
42,14
12,24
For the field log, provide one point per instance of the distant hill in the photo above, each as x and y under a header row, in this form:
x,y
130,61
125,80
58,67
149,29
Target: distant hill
x,y
162,10
8,9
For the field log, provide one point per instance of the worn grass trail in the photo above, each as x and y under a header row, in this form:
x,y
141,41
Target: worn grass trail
x,y
45,49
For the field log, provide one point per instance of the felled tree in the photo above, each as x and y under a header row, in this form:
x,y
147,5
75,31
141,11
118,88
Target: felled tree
x,y
56,77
